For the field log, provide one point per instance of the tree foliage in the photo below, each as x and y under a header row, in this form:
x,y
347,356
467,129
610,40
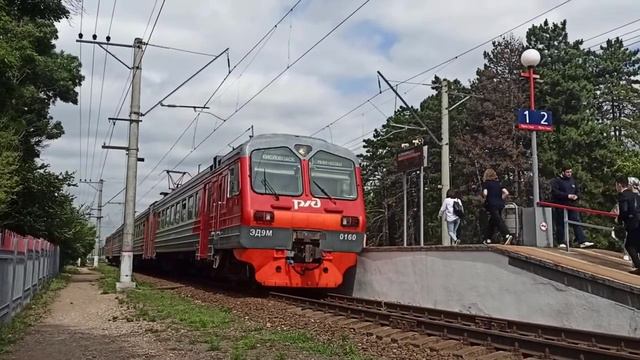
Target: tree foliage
x,y
33,77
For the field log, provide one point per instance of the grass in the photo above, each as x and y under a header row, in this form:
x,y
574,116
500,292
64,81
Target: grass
x,y
110,276
218,329
32,312
296,339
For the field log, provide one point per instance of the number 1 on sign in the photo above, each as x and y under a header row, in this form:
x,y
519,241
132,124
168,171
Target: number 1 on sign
x,y
526,115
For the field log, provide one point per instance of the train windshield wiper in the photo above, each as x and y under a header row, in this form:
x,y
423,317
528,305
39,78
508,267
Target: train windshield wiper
x,y
324,191
268,186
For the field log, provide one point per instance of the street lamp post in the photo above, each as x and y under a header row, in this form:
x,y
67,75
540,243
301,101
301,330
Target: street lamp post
x,y
530,58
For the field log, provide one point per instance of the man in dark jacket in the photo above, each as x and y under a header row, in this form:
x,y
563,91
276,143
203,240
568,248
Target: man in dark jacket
x,y
628,207
564,191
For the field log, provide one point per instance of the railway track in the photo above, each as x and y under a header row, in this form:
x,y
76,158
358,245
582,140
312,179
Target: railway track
x,y
510,337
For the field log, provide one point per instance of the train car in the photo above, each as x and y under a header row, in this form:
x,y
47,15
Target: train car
x,y
285,210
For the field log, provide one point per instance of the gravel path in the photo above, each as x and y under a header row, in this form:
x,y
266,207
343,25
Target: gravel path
x,y
85,324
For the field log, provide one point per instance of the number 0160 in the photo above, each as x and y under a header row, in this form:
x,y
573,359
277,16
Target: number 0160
x,y
348,236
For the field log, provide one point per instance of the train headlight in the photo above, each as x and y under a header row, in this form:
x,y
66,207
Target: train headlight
x,y
303,150
350,221
264,216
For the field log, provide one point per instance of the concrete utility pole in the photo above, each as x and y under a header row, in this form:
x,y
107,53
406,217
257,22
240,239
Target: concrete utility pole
x,y
96,249
126,255
444,163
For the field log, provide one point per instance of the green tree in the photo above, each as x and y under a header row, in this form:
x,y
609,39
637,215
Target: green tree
x,y
9,164
33,77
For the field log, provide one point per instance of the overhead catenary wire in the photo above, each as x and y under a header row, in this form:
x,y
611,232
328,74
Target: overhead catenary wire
x,y
523,23
273,80
130,75
181,50
215,91
611,30
104,70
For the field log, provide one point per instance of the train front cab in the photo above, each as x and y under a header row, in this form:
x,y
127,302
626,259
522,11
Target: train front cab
x,y
304,218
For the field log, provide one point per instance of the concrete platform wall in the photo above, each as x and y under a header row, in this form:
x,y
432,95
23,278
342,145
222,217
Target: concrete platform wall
x,y
482,282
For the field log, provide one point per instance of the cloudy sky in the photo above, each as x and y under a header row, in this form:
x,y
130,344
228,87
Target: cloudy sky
x,y
398,37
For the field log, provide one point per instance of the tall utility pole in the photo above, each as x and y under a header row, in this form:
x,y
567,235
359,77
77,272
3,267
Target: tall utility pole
x,y
96,249
444,163
126,255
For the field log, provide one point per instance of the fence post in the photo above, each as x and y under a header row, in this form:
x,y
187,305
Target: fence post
x,y
566,227
13,274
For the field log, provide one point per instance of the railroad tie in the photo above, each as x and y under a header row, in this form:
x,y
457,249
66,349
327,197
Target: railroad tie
x,y
497,356
423,340
403,337
471,352
374,331
347,321
387,333
445,345
362,326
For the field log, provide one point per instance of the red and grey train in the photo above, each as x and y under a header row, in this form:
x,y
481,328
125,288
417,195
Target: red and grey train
x,y
285,210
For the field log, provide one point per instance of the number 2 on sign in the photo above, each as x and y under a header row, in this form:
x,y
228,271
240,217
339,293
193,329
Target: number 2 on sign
x,y
544,118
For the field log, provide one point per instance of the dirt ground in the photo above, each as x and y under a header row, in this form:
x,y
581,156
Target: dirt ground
x,y
85,324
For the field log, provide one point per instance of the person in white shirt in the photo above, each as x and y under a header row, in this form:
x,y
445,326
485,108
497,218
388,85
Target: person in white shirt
x,y
450,216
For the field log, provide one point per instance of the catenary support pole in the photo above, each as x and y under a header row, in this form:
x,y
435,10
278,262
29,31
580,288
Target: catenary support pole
x,y
421,205
404,209
444,163
126,255
96,255
98,217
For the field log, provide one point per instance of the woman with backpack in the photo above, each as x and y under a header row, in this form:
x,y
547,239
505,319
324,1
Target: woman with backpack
x,y
453,211
494,194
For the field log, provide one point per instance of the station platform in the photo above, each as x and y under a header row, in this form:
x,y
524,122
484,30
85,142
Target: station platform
x,y
582,289
600,272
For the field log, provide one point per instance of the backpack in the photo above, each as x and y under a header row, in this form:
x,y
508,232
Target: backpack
x,y
632,219
457,208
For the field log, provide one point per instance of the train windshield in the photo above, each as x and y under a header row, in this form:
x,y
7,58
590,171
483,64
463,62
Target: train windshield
x,y
276,171
332,176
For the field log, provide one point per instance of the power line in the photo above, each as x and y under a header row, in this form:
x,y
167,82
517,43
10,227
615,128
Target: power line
x,y
612,30
260,41
272,81
445,62
279,75
104,71
619,37
181,50
93,63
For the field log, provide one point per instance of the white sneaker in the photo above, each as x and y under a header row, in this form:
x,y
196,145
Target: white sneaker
x,y
508,239
562,246
626,257
586,244
487,242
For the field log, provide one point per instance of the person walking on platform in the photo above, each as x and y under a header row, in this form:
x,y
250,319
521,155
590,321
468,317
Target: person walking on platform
x,y
453,211
564,191
629,215
494,194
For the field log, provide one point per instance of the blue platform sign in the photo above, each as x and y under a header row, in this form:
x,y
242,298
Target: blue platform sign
x,y
535,120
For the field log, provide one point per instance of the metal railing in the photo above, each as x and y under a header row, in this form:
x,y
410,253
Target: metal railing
x,y
25,264
567,222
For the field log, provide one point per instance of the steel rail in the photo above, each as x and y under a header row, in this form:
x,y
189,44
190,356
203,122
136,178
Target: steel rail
x,y
515,336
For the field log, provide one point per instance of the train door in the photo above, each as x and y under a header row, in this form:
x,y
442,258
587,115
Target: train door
x,y
205,220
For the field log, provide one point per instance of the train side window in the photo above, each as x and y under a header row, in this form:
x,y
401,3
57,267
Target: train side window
x,y
196,201
176,214
234,180
190,207
184,210
172,215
